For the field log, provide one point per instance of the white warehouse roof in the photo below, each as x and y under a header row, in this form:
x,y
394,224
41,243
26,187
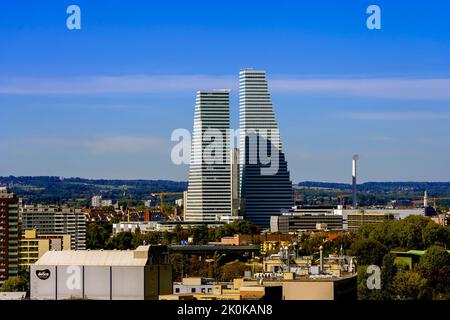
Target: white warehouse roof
x,y
136,257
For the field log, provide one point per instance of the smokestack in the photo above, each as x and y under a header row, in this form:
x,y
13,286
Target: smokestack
x,y
354,200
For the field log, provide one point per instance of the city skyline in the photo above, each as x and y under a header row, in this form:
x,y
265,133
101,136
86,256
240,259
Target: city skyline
x,y
102,102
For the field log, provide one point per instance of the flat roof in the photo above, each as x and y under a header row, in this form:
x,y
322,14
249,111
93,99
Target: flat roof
x,y
93,258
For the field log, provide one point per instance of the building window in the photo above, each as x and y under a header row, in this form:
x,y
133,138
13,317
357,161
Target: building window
x,y
192,290
177,290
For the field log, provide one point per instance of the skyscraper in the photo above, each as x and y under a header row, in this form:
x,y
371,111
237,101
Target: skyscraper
x,y
9,234
266,189
209,189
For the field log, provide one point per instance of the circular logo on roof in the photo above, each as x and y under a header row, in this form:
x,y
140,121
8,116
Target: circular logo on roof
x,y
43,274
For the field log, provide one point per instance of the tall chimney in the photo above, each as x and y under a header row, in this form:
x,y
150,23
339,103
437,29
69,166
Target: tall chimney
x,y
354,200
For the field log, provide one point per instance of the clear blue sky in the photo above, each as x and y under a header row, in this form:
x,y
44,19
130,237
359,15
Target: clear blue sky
x,y
103,101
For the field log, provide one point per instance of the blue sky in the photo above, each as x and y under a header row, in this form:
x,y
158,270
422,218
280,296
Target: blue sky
x,y
103,101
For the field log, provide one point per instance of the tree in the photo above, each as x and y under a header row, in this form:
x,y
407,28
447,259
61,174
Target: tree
x,y
368,252
121,241
434,234
96,236
410,285
200,234
410,232
15,284
364,293
434,265
233,270
388,272
243,227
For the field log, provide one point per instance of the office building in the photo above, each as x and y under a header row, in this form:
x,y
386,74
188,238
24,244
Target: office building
x,y
33,246
209,189
266,189
356,220
141,274
9,234
49,220
305,219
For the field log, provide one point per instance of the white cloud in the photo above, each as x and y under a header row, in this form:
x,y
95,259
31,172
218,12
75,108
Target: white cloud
x,y
392,88
396,116
100,145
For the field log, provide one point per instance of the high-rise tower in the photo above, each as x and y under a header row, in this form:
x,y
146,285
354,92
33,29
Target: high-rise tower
x,y
266,189
9,234
209,190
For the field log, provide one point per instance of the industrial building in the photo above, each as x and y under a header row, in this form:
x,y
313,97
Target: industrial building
x,y
9,234
144,273
50,220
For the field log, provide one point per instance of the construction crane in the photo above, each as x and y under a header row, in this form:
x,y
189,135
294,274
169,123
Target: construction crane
x,y
161,196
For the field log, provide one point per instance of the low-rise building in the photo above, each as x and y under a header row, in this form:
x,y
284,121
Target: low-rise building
x,y
33,246
132,226
193,285
357,219
306,218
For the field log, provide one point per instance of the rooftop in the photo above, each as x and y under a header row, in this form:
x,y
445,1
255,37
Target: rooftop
x,y
138,257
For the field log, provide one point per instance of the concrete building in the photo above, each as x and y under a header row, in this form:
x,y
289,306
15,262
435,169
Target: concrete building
x,y
209,189
9,234
33,246
144,273
193,285
96,201
266,188
50,220
305,218
356,220
99,202
310,288
200,289
397,213
132,226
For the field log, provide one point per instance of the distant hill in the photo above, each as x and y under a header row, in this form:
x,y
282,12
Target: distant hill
x,y
49,190
79,191
431,187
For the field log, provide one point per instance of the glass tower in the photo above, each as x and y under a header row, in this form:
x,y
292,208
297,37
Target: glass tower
x,y
266,188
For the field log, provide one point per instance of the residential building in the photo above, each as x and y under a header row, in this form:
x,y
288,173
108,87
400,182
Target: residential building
x,y
33,246
50,220
96,201
132,226
9,234
209,189
266,188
